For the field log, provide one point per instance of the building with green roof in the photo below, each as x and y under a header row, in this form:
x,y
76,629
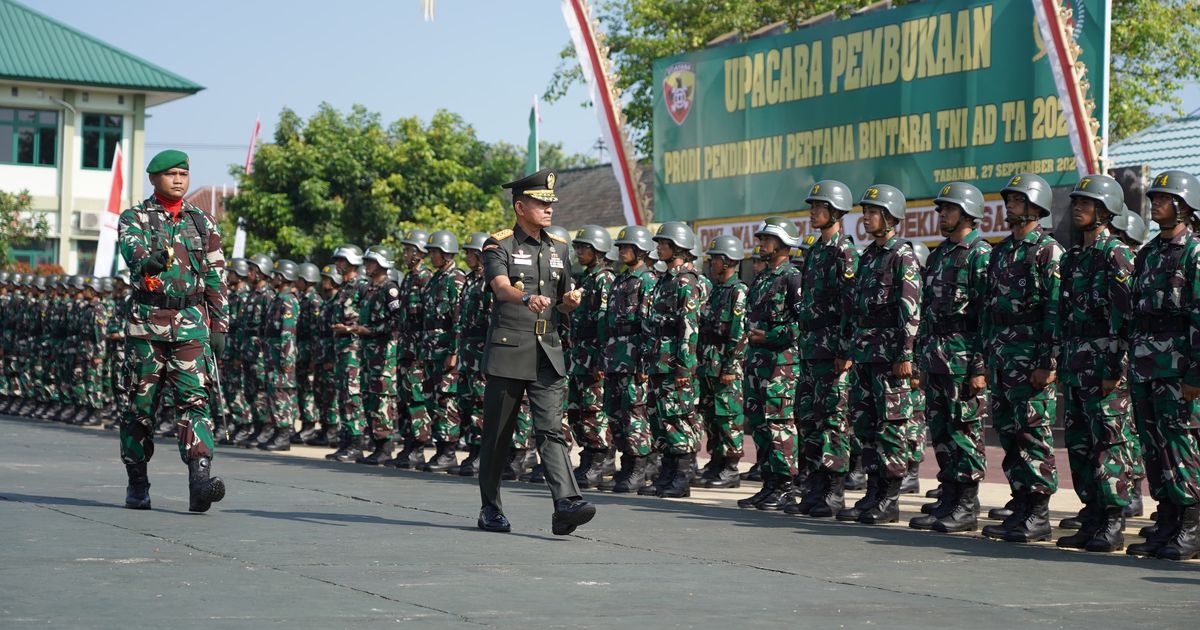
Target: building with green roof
x,y
66,100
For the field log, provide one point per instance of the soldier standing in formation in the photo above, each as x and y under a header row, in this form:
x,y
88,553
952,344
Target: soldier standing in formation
x,y
585,388
378,315
440,310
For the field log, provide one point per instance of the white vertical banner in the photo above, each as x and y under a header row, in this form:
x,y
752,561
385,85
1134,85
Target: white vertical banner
x,y
239,241
106,249
605,102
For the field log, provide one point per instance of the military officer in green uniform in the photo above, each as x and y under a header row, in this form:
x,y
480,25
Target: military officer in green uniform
x,y
527,271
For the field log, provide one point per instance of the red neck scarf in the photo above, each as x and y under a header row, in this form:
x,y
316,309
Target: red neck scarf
x,y
173,207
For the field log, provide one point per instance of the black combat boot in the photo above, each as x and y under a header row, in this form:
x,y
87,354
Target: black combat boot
x,y
1016,513
940,508
939,503
1109,534
865,503
610,483
1006,512
203,490
470,466
818,484
445,458
887,509
1089,522
680,486
666,475
964,516
755,473
343,444
911,484
709,472
653,465
768,486
585,462
306,432
779,496
381,451
515,466
137,493
856,479
91,418
1135,507
1185,544
242,432
537,474
281,440
352,452
323,437
1163,530
594,473
265,436
403,459
250,439
727,476
632,476
835,498
1074,522
1035,526
610,462
934,493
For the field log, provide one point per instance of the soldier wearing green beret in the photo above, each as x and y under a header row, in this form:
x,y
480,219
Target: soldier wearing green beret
x,y
173,250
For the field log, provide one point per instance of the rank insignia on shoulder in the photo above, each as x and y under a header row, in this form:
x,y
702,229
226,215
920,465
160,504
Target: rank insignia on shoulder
x,y
502,234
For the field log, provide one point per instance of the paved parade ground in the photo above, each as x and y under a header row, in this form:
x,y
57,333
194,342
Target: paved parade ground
x,y
307,543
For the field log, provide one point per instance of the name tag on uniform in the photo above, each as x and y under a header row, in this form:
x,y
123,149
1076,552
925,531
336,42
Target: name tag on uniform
x,y
556,263
523,260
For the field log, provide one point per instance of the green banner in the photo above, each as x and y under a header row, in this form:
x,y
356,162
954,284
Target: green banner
x,y
915,97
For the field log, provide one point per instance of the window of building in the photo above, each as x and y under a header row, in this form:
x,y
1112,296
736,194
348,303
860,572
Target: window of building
x,y
101,133
28,136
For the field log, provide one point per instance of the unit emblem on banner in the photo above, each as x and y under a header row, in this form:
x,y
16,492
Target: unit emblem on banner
x,y
679,90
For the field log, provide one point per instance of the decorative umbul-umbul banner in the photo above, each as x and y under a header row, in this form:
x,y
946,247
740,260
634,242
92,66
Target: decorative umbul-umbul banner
x,y
914,97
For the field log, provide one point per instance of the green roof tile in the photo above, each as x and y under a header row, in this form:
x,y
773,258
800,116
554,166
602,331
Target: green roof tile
x,y
1169,145
35,47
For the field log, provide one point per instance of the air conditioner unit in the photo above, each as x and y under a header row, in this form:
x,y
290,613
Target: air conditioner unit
x,y
89,221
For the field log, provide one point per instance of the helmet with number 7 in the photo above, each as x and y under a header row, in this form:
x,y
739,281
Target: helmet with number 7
x,y
1035,189
887,197
1179,184
1102,189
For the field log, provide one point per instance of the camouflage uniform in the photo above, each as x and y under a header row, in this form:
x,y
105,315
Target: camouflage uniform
x,y
470,336
308,337
170,342
1019,330
279,336
585,394
346,304
770,384
439,310
254,354
823,313
885,317
327,377
1164,347
414,411
624,393
721,349
1094,305
672,330
950,342
378,312
233,377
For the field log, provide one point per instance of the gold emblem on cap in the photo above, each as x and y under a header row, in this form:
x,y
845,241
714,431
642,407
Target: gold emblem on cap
x,y
550,181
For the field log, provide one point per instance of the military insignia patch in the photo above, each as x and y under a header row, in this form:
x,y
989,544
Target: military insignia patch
x,y
679,90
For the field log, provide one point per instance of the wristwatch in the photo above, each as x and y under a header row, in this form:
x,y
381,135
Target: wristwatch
x,y
525,298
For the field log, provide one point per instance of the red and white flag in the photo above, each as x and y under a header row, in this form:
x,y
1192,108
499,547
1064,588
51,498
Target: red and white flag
x,y
253,145
106,248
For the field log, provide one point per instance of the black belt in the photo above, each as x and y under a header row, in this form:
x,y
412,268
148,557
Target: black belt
x,y
162,300
1088,330
950,327
1170,323
622,329
821,321
1016,319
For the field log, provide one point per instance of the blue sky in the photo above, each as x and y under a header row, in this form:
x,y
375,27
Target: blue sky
x,y
484,59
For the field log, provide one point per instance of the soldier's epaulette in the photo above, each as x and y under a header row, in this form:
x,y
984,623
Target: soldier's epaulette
x,y
556,237
502,234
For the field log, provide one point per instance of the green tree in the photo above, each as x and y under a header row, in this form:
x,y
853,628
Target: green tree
x,y
15,228
1155,50
347,178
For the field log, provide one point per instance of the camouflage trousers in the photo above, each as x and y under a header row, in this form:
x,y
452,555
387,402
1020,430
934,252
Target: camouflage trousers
x,y
254,383
306,383
675,428
233,385
282,402
585,412
952,412
380,409
441,396
916,431
720,409
625,406
327,396
1095,427
880,408
1023,420
166,367
1169,427
411,401
349,389
770,419
821,398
